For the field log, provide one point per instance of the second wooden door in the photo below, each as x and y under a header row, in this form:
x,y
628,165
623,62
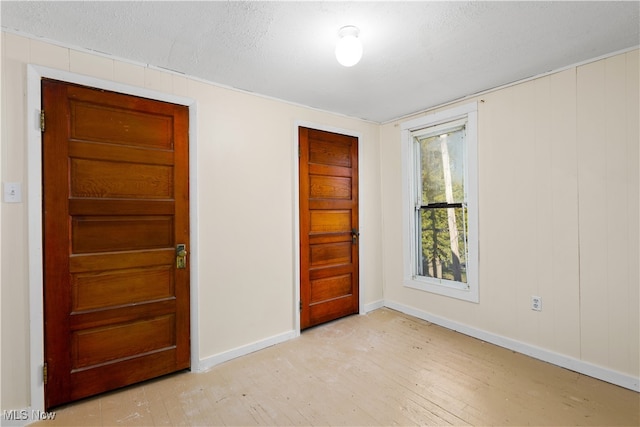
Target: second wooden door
x,y
329,237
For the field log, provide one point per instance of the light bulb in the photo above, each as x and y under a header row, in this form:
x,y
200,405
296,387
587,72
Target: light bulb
x,y
349,47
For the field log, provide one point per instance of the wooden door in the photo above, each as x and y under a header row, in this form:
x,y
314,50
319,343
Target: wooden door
x,y
329,241
115,190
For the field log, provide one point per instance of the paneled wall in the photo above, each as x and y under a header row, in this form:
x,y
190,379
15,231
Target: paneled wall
x,y
607,159
558,197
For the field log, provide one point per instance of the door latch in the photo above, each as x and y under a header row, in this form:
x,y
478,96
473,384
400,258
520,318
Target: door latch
x,y
354,236
181,256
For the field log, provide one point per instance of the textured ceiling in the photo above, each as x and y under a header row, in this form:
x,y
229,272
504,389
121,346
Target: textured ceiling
x,y
416,54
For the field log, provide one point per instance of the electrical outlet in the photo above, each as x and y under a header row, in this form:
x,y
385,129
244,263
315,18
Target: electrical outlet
x,y
536,303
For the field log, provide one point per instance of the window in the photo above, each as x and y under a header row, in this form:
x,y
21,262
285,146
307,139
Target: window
x,y
441,219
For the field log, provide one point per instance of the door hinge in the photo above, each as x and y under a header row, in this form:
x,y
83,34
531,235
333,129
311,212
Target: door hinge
x,y
41,120
299,152
300,305
45,374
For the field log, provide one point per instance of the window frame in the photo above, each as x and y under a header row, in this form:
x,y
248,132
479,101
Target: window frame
x,y
468,291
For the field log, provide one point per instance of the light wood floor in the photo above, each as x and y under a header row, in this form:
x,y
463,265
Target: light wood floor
x,y
381,369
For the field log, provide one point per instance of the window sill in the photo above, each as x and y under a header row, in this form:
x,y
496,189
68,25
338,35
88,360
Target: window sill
x,y
445,288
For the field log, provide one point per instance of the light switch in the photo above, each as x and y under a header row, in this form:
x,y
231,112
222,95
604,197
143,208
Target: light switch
x,y
12,192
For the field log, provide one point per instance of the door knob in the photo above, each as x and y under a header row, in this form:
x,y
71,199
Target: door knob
x,y
354,235
181,256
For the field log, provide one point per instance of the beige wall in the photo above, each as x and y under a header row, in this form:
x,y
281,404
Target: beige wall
x,y
558,199
245,205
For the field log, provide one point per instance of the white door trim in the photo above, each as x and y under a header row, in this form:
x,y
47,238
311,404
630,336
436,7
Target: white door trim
x,y
35,73
296,215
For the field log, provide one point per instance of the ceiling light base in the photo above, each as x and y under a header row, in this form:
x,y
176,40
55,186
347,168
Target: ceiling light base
x,y
349,47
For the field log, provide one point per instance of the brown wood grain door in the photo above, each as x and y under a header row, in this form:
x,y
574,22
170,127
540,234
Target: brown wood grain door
x,y
328,168
115,190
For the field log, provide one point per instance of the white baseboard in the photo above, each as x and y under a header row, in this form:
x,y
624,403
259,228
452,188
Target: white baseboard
x,y
373,306
571,363
216,359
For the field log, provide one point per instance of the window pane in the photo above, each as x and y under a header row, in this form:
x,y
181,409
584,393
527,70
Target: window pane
x,y
442,167
443,243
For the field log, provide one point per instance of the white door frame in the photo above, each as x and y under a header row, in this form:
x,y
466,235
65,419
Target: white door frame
x,y
35,73
296,214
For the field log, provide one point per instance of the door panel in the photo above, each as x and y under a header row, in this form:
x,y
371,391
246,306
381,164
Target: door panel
x,y
99,345
328,218
331,187
113,288
115,187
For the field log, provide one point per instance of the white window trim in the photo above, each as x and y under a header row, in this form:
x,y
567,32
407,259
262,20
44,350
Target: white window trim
x,y
442,287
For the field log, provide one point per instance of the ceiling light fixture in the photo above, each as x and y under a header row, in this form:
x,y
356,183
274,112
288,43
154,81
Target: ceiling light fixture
x,y
349,46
